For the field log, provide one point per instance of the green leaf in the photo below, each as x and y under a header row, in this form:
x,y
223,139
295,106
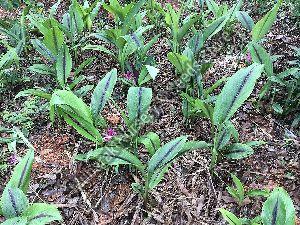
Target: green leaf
x,y
76,19
41,213
212,6
13,202
214,27
260,55
21,175
236,90
245,20
277,108
258,193
63,65
234,9
239,151
151,141
278,209
42,69
138,103
103,92
153,71
35,92
43,50
166,154
54,39
15,221
157,176
230,217
83,127
181,62
192,145
239,188
112,156
69,99
222,138
186,27
98,48
262,27
196,42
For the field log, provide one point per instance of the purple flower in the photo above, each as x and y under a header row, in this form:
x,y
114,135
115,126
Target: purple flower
x,y
248,57
12,160
129,75
110,133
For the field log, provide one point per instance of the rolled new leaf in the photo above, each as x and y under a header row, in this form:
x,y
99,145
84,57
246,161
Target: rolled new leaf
x,y
151,142
13,202
21,175
260,55
230,217
63,65
138,103
41,213
165,154
245,19
236,90
278,209
103,92
262,27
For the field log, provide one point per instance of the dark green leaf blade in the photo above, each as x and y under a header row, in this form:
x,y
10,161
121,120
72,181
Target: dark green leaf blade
x,y
236,90
103,92
165,154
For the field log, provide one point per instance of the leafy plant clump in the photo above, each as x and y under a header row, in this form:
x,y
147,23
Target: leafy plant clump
x,y
15,206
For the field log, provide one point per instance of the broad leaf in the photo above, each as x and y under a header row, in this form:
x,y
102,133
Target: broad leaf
x,y
103,92
42,69
21,175
41,213
236,90
181,62
186,27
262,27
54,38
166,154
230,217
43,50
239,151
151,142
63,65
260,55
138,103
15,221
245,20
278,209
67,98
111,156
214,27
13,202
